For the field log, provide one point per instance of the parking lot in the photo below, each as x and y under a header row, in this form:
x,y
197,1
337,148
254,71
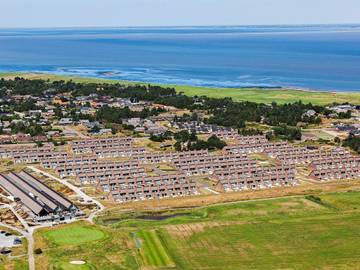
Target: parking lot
x,y
7,241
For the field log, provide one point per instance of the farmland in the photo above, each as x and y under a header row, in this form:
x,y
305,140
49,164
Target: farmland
x,y
300,232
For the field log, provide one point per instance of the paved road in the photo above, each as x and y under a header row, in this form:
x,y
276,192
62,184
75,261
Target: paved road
x,y
211,190
78,133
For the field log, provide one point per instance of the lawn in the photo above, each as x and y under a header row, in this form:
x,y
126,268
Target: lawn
x,y
243,94
319,134
152,251
74,235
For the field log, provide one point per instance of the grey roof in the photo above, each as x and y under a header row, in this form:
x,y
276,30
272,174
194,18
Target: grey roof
x,y
17,192
35,195
65,203
34,190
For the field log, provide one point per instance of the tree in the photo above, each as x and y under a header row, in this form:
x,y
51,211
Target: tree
x,y
353,142
215,143
287,132
182,136
344,115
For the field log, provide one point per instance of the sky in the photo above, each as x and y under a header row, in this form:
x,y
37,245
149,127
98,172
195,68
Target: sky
x,y
101,13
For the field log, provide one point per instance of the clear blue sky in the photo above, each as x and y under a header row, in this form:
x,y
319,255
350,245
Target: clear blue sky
x,y
77,13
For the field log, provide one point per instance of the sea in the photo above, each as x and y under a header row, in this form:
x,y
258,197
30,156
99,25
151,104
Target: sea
x,y
313,57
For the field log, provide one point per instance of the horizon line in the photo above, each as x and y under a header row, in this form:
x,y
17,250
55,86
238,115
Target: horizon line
x,y
185,26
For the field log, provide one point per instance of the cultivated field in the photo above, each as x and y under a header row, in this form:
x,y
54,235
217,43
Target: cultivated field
x,y
243,94
300,232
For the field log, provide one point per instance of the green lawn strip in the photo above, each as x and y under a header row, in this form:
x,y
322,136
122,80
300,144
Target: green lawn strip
x,y
158,249
153,250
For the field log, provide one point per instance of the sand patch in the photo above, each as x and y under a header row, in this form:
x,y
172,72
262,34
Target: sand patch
x,y
78,262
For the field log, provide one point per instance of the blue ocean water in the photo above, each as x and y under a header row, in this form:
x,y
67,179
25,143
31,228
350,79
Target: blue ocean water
x,y
322,57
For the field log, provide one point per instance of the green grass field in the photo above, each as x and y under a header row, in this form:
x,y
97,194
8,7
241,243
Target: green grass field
x,y
74,235
243,94
286,233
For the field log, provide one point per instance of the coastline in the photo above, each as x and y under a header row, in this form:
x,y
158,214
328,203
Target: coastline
x,y
254,94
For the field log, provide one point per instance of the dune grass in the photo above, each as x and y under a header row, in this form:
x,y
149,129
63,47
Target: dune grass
x,y
242,94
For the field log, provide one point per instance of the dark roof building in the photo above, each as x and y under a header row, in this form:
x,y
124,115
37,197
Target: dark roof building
x,y
35,195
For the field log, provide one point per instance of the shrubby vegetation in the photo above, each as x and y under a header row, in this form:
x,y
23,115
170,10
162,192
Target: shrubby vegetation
x,y
250,131
285,132
33,129
167,135
186,141
344,115
353,142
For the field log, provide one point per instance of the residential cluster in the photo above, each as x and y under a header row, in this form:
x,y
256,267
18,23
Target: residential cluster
x,y
126,172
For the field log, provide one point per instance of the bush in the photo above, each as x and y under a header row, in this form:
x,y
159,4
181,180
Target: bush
x,y
287,132
353,142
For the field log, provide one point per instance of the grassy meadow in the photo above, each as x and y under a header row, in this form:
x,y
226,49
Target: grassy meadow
x,y
300,232
243,94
